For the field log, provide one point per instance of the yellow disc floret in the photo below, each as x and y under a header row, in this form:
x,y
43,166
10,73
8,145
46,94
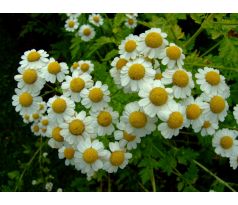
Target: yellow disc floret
x,y
29,76
90,155
206,124
25,99
87,31
120,63
96,19
117,158
158,76
45,122
56,134
95,95
226,142
138,119
36,128
130,21
77,84
71,24
104,118
213,78
36,116
75,65
130,46
158,96
59,105
173,52
217,104
54,68
84,67
69,153
153,40
180,78
76,127
33,56
175,120
136,71
193,111
128,137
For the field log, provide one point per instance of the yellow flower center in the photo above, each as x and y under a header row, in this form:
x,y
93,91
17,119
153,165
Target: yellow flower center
x,y
128,137
45,122
153,40
41,107
33,56
96,19
25,99
206,124
136,71
175,120
193,111
158,96
95,95
226,142
77,84
36,128
56,134
130,21
213,78
120,63
117,158
104,118
84,67
217,104
69,153
59,105
36,116
71,24
44,130
130,46
173,52
180,78
138,119
29,76
54,67
76,127
158,76
26,117
90,155
75,65
87,31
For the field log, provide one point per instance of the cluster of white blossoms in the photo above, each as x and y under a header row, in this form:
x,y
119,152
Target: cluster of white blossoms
x,y
85,31
78,114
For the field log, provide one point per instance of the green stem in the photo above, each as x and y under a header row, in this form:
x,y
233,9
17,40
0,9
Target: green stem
x,y
212,48
141,185
230,24
46,93
153,181
215,176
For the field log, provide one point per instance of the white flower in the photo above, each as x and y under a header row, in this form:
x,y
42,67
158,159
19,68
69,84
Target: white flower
x,y
71,24
96,19
117,157
96,97
33,59
54,71
130,15
234,160
74,84
235,113
104,121
26,118
67,152
35,128
131,22
86,32
77,127
74,67
60,108
56,140
59,190
42,107
174,118
172,56
90,156
128,48
73,15
49,186
25,102
211,82
135,121
85,66
136,74
155,98
152,42
225,142
181,80
29,80
127,140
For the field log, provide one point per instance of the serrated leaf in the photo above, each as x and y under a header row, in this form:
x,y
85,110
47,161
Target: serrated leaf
x,y
167,164
110,55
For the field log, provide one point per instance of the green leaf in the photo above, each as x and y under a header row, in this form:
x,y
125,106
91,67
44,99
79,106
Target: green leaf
x,y
13,174
110,55
192,173
167,164
185,155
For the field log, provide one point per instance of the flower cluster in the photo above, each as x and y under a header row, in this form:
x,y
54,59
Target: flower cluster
x,y
86,31
78,114
131,21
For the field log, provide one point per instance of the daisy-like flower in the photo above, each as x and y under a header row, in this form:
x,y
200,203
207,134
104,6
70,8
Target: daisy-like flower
x,y
96,97
42,107
74,66
26,118
74,84
172,56
55,71
135,121
136,74
71,24
212,82
194,111
129,141
158,74
60,108
73,15
234,160
67,152
208,127
86,32
155,98
131,22
96,19
77,127
218,107
174,118
25,102
130,15
36,116
34,59
85,66
235,113
181,81
117,64
35,128
90,156
225,142
128,48
104,121
152,43
117,157
29,80
56,140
